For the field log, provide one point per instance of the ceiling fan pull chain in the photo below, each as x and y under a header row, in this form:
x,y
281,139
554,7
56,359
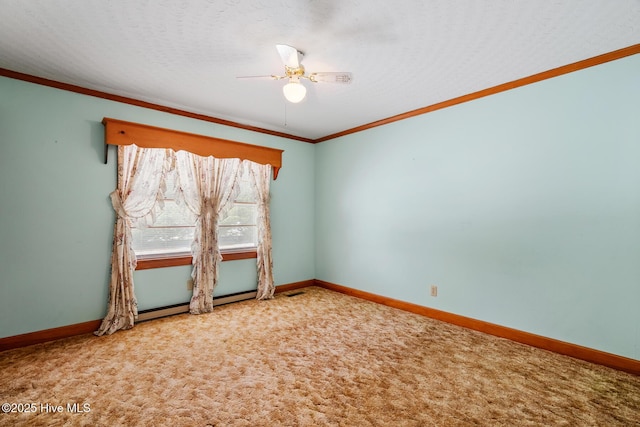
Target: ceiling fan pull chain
x,y
285,114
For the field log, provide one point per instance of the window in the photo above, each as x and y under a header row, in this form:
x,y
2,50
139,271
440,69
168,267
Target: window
x,y
177,246
238,229
171,232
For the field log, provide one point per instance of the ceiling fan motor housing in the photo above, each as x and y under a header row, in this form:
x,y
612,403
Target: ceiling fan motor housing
x,y
294,72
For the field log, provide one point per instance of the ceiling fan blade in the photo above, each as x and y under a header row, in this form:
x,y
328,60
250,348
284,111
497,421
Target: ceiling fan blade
x,y
270,77
289,55
331,77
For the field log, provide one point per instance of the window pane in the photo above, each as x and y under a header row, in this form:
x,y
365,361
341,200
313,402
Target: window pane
x,y
241,214
173,215
172,231
237,237
170,181
247,192
166,240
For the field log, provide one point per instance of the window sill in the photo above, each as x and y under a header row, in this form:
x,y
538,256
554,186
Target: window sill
x,y
168,261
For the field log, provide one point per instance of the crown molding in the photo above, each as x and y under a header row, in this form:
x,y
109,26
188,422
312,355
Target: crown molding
x,y
565,69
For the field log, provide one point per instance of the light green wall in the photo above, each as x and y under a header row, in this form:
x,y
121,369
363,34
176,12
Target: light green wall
x,y
56,221
522,207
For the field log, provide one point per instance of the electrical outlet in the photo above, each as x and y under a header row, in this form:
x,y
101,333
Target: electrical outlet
x,y
190,284
434,291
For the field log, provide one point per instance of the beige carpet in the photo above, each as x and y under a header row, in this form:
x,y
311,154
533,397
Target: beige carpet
x,y
317,359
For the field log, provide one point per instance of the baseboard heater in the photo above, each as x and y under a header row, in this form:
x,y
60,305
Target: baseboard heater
x,y
170,310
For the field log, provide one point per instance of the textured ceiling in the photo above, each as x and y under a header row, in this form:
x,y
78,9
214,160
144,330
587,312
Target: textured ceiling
x,y
404,54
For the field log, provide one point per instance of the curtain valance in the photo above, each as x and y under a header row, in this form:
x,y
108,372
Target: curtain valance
x,y
118,132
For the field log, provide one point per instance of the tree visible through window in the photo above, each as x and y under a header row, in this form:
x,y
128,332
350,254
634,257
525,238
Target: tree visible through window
x,y
171,232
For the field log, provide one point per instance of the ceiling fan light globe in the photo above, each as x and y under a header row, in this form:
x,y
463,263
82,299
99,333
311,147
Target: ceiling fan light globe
x,y
294,92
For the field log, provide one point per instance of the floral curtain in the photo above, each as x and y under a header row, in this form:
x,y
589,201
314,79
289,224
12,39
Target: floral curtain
x,y
261,178
140,179
207,185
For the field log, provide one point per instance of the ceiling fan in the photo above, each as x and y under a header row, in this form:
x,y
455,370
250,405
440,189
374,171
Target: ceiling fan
x,y
294,91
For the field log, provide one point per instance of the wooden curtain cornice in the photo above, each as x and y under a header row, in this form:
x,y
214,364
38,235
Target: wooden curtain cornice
x,y
118,132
